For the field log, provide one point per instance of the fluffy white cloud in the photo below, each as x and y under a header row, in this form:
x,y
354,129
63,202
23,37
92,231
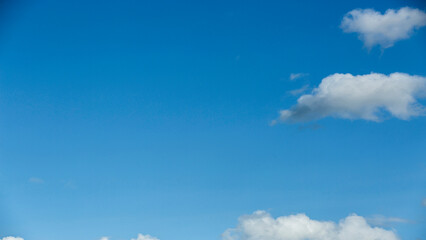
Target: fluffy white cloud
x,y
104,238
261,226
385,29
360,97
145,237
12,238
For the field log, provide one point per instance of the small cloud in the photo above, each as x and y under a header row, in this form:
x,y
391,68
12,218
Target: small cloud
x,y
145,237
367,97
374,28
379,220
12,238
139,237
295,76
299,91
424,202
36,180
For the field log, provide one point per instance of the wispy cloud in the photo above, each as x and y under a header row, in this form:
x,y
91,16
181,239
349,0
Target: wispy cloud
x,y
70,184
424,202
374,28
367,97
299,91
261,225
295,76
36,180
379,220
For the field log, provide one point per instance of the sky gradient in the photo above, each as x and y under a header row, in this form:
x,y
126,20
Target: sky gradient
x,y
154,117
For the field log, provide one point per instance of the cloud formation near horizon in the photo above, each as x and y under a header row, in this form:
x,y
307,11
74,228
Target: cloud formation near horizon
x,y
140,237
260,226
12,238
374,28
367,97
145,237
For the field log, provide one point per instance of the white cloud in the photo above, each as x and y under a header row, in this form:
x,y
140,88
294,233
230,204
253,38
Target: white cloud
x,y
261,226
104,238
295,76
374,28
145,237
366,97
12,238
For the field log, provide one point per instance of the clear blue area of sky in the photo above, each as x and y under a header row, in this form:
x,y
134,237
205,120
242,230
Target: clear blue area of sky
x,y
153,117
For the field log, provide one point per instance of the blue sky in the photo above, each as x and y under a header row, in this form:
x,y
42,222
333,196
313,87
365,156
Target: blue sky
x,y
154,117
